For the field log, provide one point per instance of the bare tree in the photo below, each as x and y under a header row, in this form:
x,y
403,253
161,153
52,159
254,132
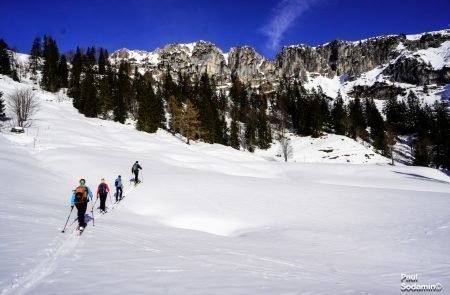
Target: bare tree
x,y
390,138
286,148
24,104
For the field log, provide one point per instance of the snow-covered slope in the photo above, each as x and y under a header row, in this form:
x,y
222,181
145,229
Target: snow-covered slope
x,y
437,57
208,219
329,148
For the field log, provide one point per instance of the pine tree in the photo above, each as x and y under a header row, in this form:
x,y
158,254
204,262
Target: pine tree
x,y
157,116
63,72
239,98
102,61
413,112
35,56
395,112
425,89
222,102
250,138
303,113
136,94
317,113
292,96
234,135
338,115
2,104
376,124
122,94
357,119
441,136
91,59
75,79
264,132
169,87
89,94
13,64
421,153
151,109
5,59
143,95
208,113
50,80
324,109
105,92
222,131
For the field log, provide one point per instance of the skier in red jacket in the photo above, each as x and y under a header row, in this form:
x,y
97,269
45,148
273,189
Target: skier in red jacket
x,y
102,192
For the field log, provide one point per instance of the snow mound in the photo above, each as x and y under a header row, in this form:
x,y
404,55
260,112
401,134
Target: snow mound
x,y
329,148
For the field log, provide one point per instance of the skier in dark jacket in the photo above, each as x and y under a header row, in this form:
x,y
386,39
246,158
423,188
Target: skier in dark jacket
x,y
119,188
135,169
102,192
80,198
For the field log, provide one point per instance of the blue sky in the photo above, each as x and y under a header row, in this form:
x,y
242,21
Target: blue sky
x,y
266,25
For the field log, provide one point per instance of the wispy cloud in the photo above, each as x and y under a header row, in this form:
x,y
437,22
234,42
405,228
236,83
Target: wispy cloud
x,y
284,15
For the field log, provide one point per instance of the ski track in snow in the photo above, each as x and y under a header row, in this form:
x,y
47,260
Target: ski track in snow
x,y
46,267
32,278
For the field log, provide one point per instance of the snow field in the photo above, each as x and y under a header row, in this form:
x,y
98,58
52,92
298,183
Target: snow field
x,y
208,219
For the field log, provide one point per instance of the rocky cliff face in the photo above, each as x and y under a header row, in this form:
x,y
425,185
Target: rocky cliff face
x,y
407,59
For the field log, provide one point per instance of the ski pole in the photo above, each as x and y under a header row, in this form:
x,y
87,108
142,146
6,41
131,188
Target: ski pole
x,y
93,218
142,176
92,211
67,220
110,197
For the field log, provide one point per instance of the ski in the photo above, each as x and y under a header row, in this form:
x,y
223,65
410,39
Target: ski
x,y
117,202
80,231
120,200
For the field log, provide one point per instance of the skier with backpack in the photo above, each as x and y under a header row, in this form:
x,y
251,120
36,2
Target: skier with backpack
x,y
102,192
119,188
80,199
135,169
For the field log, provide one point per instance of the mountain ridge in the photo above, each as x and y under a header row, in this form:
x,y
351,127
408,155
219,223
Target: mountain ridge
x,y
408,36
335,58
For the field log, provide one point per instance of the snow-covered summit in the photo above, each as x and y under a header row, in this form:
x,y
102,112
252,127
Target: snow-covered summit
x,y
138,56
415,37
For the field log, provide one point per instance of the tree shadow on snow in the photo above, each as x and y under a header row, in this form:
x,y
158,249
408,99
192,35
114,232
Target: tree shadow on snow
x,y
421,177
